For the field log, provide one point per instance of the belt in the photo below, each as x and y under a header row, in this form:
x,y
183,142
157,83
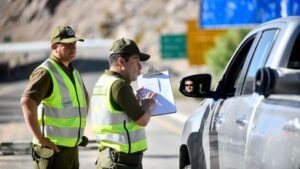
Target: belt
x,y
131,159
136,153
66,148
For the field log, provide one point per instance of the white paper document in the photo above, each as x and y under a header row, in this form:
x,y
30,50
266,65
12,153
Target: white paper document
x,y
161,85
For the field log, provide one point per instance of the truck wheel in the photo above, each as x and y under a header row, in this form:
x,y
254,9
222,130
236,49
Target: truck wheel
x,y
184,160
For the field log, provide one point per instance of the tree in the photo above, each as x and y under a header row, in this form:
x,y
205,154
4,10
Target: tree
x,y
218,57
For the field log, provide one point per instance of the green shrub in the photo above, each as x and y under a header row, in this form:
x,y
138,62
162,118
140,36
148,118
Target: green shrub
x,y
218,57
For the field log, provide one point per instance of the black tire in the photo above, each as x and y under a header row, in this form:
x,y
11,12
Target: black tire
x,y
187,167
184,160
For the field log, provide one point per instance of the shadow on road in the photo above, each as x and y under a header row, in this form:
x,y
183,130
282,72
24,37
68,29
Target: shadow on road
x,y
22,72
160,156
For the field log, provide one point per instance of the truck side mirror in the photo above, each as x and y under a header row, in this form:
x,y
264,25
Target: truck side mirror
x,y
280,81
196,86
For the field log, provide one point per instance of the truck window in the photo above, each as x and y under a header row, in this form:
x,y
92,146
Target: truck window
x,y
228,85
259,58
294,61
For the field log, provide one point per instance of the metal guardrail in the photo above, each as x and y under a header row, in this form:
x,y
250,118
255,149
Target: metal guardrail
x,y
44,46
15,148
24,147
25,56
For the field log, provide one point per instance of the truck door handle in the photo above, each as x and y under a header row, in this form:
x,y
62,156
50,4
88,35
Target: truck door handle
x,y
219,119
292,125
242,121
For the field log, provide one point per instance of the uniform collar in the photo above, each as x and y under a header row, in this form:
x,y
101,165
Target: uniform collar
x,y
70,68
113,73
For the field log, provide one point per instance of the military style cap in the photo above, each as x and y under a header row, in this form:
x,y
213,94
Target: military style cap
x,y
127,46
64,34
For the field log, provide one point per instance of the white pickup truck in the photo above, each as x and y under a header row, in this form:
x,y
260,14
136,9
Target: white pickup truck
x,y
251,120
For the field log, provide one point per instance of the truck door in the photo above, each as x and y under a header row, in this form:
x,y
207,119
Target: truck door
x,y
225,89
236,118
275,140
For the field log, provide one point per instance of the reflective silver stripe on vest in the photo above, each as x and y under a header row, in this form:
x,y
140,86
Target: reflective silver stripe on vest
x,y
62,132
65,98
101,116
104,117
121,138
67,112
79,78
80,81
109,119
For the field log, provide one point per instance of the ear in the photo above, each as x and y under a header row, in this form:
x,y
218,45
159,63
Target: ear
x,y
121,61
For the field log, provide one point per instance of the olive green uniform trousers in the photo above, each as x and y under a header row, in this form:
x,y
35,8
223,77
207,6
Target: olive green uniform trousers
x,y
67,158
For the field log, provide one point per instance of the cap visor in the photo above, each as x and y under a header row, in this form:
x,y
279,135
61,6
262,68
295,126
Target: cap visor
x,y
144,56
71,40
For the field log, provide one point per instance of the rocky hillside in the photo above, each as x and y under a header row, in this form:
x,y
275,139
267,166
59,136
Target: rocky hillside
x,y
142,20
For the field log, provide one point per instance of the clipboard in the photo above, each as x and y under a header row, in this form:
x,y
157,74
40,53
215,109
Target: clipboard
x,y
158,82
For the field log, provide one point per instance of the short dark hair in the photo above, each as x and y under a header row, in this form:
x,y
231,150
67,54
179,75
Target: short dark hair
x,y
114,56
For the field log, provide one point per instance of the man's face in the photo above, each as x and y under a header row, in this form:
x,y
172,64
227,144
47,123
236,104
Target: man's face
x,y
188,86
133,67
67,51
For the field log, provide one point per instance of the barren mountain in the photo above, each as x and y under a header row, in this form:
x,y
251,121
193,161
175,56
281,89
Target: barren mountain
x,y
142,20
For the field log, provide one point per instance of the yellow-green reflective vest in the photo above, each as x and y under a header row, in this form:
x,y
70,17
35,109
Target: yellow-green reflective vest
x,y
62,116
113,128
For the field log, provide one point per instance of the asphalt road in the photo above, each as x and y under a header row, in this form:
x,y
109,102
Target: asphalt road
x,y
163,132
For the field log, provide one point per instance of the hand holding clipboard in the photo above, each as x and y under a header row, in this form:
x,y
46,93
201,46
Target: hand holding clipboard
x,y
159,83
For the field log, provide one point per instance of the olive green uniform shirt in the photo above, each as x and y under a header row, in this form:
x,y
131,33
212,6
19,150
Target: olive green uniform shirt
x,y
123,97
40,83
